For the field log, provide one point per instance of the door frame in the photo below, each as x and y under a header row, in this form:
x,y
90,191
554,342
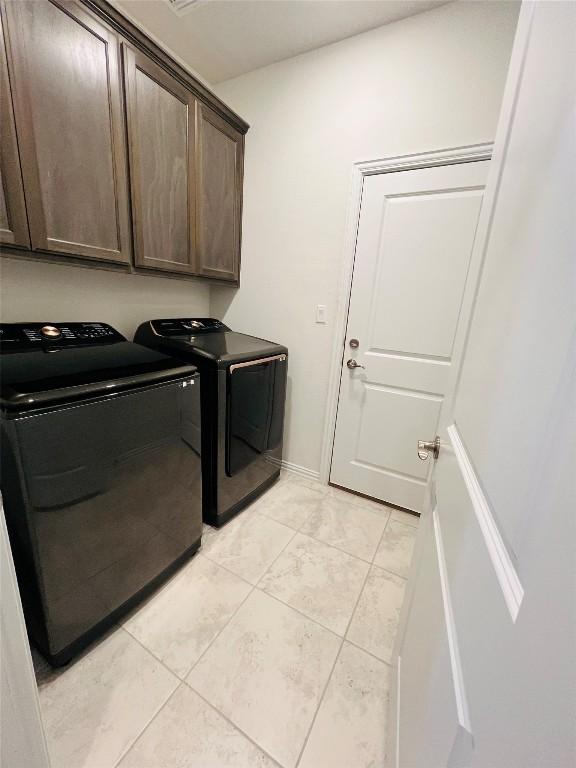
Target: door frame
x,y
470,153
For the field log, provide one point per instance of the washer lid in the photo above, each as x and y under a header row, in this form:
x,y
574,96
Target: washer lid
x,y
41,377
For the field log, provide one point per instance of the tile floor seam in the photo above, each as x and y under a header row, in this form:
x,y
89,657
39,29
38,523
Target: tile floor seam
x,y
343,640
294,534
380,539
148,724
269,517
125,752
297,610
333,546
363,559
364,650
392,573
186,681
253,587
320,700
224,568
232,723
183,679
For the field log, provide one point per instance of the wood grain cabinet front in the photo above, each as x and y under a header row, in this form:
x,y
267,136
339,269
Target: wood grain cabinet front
x,y
220,156
160,114
65,77
13,221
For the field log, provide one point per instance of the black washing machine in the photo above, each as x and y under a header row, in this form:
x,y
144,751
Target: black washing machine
x,y
101,474
243,398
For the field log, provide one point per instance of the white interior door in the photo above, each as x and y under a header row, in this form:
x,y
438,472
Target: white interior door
x,y
415,237
485,668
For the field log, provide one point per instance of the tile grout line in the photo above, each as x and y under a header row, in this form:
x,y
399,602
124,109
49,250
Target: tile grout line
x,y
391,573
304,615
183,680
381,537
186,682
342,640
160,708
224,568
232,723
253,587
309,618
320,700
299,612
364,650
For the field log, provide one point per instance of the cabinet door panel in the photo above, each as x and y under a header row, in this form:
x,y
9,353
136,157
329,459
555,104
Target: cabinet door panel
x,y
161,141
69,119
220,168
13,222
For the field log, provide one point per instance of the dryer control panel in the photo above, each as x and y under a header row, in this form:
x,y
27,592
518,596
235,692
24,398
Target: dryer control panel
x,y
186,326
22,336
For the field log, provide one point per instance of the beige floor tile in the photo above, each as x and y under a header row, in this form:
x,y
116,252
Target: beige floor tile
x,y
320,581
208,533
306,482
96,708
266,671
349,730
352,528
396,548
375,619
405,517
179,622
289,503
248,545
188,733
359,501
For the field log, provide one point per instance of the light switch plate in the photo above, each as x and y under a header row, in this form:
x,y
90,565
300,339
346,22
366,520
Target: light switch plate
x,y
321,313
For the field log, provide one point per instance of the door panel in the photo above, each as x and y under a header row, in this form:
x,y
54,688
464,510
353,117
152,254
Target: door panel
x,y
425,239
415,237
13,221
67,100
220,159
432,702
504,479
403,413
161,141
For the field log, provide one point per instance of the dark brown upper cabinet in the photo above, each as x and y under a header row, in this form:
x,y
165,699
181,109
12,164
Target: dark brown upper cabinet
x,y
13,222
160,115
65,77
219,157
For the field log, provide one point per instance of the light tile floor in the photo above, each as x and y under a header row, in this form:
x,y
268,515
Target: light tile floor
x,y
270,648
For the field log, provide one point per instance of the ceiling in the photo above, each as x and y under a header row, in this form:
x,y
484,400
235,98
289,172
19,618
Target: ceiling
x,y
221,39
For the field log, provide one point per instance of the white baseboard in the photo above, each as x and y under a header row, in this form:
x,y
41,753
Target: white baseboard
x,y
310,474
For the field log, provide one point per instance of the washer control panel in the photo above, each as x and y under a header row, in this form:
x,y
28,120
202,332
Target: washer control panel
x,y
186,326
21,336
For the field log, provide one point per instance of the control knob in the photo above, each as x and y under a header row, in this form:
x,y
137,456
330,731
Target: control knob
x,y
51,332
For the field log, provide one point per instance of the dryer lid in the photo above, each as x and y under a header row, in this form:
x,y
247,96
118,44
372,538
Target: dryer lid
x,y
206,339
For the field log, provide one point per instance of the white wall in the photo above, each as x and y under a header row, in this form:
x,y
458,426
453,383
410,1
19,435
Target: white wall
x,y
37,291
429,82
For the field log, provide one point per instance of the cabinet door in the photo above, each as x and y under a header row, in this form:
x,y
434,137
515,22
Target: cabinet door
x,y
13,222
220,158
161,144
66,90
